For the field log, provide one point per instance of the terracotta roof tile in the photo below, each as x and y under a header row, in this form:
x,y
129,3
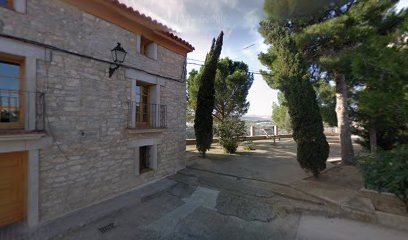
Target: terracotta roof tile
x,y
179,39
160,27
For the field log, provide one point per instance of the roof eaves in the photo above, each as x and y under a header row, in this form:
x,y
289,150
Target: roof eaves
x,y
159,26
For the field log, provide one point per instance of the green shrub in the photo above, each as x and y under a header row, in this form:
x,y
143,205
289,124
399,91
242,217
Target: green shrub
x,y
387,171
249,145
230,131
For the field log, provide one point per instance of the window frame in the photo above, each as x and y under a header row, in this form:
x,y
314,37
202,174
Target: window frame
x,y
144,107
9,4
156,109
22,98
144,153
144,45
151,148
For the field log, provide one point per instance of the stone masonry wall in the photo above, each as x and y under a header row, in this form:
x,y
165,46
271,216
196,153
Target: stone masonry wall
x,y
90,159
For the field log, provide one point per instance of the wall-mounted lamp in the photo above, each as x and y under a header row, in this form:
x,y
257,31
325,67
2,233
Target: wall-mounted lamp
x,y
118,57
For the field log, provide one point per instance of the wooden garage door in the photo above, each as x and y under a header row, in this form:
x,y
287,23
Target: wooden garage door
x,y
13,187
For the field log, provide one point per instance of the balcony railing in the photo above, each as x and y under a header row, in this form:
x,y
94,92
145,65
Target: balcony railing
x,y
147,116
21,111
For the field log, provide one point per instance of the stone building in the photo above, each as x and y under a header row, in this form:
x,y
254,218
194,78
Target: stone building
x,y
70,135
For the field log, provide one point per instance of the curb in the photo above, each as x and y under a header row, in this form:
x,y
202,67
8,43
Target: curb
x,y
376,217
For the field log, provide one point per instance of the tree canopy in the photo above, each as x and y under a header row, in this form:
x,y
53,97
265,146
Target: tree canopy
x,y
342,46
280,114
380,71
326,97
328,36
232,83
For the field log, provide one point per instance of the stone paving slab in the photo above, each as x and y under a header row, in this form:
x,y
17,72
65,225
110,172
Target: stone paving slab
x,y
244,207
128,221
199,212
202,197
244,186
80,218
208,224
206,204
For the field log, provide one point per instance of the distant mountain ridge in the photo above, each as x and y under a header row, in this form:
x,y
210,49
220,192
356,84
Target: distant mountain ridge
x,y
256,118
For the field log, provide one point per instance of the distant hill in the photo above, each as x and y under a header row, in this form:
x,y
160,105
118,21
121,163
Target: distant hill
x,y
256,118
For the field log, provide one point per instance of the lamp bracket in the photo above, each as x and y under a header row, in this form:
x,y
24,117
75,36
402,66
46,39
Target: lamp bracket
x,y
113,68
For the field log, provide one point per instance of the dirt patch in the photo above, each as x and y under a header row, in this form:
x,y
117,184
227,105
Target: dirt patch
x,y
344,184
340,176
385,202
340,184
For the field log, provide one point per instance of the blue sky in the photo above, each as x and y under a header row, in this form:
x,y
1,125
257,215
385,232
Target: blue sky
x,y
199,21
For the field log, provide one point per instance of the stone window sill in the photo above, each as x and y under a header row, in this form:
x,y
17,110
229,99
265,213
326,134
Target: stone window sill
x,y
146,130
21,136
146,170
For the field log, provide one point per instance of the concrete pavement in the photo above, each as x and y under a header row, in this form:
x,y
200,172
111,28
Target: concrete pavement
x,y
218,214
245,196
203,205
320,228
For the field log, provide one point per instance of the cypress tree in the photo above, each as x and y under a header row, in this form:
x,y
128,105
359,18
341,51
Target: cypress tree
x,y
203,121
289,73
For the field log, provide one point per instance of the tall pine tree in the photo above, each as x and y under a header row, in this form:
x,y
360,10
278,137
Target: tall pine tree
x,y
334,38
327,33
380,108
203,121
232,83
298,15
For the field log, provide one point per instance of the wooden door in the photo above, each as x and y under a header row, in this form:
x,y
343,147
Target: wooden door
x,y
142,99
13,187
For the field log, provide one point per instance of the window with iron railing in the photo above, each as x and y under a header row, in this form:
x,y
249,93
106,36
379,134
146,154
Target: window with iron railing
x,y
7,4
14,5
146,116
142,113
20,110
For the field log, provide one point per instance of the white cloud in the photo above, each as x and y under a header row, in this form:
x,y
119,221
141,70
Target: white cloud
x,y
251,18
187,15
402,4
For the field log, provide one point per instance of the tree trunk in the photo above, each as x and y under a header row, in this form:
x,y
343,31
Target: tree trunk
x,y
373,140
343,120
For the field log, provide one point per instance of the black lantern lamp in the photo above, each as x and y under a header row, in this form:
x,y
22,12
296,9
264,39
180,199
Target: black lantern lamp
x,y
118,56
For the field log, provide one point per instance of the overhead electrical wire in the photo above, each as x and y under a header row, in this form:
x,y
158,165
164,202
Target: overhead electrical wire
x,y
199,64
253,44
55,48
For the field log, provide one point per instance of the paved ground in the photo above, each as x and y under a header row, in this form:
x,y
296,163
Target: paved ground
x,y
269,162
183,212
247,200
253,164
213,214
320,228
